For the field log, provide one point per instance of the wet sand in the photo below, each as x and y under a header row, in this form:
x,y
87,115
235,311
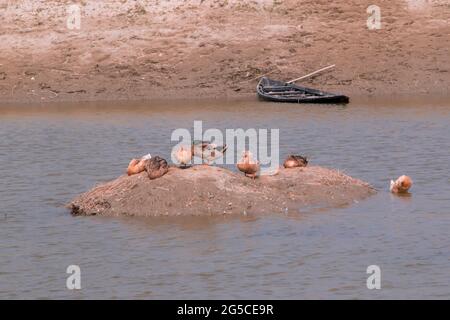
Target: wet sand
x,y
160,49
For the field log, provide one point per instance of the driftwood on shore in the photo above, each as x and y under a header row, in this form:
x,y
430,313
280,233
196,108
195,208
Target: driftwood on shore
x,y
205,190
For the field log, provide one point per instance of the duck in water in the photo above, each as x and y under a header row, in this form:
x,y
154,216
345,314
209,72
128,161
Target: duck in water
x,y
294,161
401,185
156,167
248,165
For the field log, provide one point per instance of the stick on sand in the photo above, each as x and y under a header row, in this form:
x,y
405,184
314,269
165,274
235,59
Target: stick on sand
x,y
312,73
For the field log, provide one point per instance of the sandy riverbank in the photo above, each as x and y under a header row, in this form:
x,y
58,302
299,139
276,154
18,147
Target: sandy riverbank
x,y
210,48
204,190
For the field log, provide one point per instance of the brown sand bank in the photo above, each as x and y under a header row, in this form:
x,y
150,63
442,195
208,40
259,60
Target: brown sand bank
x,y
215,48
205,190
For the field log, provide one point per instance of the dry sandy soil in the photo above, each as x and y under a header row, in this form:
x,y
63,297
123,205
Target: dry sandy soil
x,y
216,48
212,191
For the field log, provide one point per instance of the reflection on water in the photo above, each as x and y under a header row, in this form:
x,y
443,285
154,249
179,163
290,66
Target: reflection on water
x,y
50,154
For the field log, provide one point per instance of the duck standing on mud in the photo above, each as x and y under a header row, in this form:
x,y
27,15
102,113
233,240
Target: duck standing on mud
x,y
248,165
294,161
207,150
183,155
401,185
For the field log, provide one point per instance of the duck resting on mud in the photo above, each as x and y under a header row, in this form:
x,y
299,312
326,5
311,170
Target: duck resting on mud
x,y
294,161
137,165
156,167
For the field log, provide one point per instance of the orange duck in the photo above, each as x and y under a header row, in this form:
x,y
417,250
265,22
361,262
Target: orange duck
x,y
137,165
401,185
248,165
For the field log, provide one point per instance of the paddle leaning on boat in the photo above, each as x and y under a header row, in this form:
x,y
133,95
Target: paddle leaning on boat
x,y
278,91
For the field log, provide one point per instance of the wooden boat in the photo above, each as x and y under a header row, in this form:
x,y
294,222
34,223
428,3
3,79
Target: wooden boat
x,y
278,91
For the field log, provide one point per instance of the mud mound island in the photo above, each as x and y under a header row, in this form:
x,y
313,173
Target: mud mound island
x,y
205,190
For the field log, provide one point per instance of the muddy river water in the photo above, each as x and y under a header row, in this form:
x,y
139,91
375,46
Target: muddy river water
x,y
49,154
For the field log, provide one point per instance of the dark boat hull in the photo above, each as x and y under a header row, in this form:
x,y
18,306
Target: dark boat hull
x,y
277,91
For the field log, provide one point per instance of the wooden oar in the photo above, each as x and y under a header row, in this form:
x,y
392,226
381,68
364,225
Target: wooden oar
x,y
312,73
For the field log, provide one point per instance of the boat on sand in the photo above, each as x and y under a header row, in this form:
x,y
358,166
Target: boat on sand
x,y
278,91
